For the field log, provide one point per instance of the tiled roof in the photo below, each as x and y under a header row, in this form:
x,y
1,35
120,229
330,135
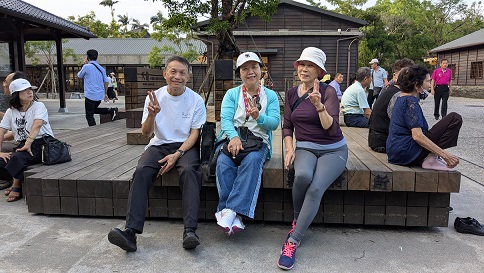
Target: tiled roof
x,y
28,12
126,46
473,39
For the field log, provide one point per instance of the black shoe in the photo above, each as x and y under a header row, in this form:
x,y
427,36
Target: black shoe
x,y
4,184
124,239
436,118
468,225
190,239
115,112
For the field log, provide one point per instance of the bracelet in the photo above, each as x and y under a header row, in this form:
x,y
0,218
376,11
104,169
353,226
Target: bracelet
x,y
31,138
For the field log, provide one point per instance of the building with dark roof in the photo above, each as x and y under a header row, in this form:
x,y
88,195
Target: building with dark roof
x,y
466,58
21,22
292,28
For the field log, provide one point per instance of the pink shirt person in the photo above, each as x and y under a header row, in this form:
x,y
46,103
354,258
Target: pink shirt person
x,y
440,77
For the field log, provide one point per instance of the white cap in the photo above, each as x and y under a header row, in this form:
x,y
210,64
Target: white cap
x,y
314,55
245,57
374,61
19,85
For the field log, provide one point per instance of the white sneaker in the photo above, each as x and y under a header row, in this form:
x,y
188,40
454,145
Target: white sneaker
x,y
225,218
237,225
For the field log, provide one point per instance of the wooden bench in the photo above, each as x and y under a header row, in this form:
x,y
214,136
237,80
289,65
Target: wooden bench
x,y
370,191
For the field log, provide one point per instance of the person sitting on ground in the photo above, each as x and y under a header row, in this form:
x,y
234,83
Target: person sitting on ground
x,y
248,108
175,114
410,142
379,119
29,122
354,103
321,151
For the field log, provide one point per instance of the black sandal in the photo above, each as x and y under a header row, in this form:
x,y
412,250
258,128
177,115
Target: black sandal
x,y
5,184
15,198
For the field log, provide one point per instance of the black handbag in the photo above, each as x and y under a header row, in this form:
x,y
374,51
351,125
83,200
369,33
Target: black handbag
x,y
250,143
207,141
55,151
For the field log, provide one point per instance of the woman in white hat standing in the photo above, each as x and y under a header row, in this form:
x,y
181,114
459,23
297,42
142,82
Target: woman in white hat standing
x,y
29,121
311,114
248,108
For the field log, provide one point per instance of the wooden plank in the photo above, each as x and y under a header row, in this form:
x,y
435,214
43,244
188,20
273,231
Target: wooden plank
x,y
354,214
354,198
333,214
120,206
374,215
380,175
416,217
104,207
438,217
358,175
449,181
395,216
403,177
426,180
417,199
68,205
35,204
439,200
273,211
273,173
135,137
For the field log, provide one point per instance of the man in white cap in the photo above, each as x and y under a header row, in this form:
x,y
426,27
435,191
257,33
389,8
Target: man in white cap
x,y
378,81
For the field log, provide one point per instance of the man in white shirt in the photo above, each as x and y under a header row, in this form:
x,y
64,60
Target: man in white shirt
x,y
175,114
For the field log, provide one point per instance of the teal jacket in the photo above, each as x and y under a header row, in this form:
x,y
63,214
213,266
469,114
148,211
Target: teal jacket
x,y
268,120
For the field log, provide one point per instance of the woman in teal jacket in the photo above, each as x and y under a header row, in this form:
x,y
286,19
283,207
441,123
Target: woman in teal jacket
x,y
257,108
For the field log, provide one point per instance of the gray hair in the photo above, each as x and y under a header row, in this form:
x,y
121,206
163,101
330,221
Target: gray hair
x,y
181,60
362,73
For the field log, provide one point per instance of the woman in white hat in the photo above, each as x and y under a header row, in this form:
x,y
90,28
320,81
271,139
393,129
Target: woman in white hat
x,y
28,120
311,114
246,109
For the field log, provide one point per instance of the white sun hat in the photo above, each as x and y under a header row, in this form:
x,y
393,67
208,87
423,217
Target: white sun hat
x,y
245,57
315,55
19,85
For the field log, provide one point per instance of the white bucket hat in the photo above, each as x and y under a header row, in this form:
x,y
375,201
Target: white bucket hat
x,y
315,55
19,85
374,61
245,57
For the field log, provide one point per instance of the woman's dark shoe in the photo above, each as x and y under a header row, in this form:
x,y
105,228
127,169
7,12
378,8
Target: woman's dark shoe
x,y
124,239
468,225
5,184
15,194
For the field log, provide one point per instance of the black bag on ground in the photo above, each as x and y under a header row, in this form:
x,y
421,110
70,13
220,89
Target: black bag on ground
x,y
250,143
55,151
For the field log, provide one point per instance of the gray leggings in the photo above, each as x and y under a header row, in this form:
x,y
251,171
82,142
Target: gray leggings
x,y
315,171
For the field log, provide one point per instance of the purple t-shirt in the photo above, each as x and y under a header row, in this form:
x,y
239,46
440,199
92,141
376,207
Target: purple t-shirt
x,y
440,77
305,122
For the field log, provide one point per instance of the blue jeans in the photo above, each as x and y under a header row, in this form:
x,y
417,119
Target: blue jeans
x,y
355,120
238,187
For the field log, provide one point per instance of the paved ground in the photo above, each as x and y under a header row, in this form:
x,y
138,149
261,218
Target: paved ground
x,y
79,244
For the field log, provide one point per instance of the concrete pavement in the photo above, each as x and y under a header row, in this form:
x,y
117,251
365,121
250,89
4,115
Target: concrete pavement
x,y
79,244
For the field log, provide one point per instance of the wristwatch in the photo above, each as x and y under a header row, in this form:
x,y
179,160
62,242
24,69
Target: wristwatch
x,y
181,152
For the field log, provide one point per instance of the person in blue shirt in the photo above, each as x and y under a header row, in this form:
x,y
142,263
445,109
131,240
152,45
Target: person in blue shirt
x,y
354,105
95,88
338,79
255,108
410,142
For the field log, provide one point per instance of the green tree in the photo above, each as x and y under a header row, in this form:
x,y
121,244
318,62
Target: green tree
x,y
94,25
37,50
224,16
155,57
124,20
110,4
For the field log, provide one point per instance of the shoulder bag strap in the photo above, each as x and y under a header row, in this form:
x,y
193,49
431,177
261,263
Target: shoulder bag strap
x,y
300,99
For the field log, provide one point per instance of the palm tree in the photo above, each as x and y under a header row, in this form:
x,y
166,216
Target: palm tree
x,y
136,25
124,20
156,19
110,4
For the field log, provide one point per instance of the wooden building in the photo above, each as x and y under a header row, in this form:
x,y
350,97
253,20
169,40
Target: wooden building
x,y
292,28
466,58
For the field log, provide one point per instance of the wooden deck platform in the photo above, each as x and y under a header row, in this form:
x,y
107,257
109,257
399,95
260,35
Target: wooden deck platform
x,y
371,191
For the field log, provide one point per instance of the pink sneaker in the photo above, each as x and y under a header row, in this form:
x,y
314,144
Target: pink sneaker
x,y
433,162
